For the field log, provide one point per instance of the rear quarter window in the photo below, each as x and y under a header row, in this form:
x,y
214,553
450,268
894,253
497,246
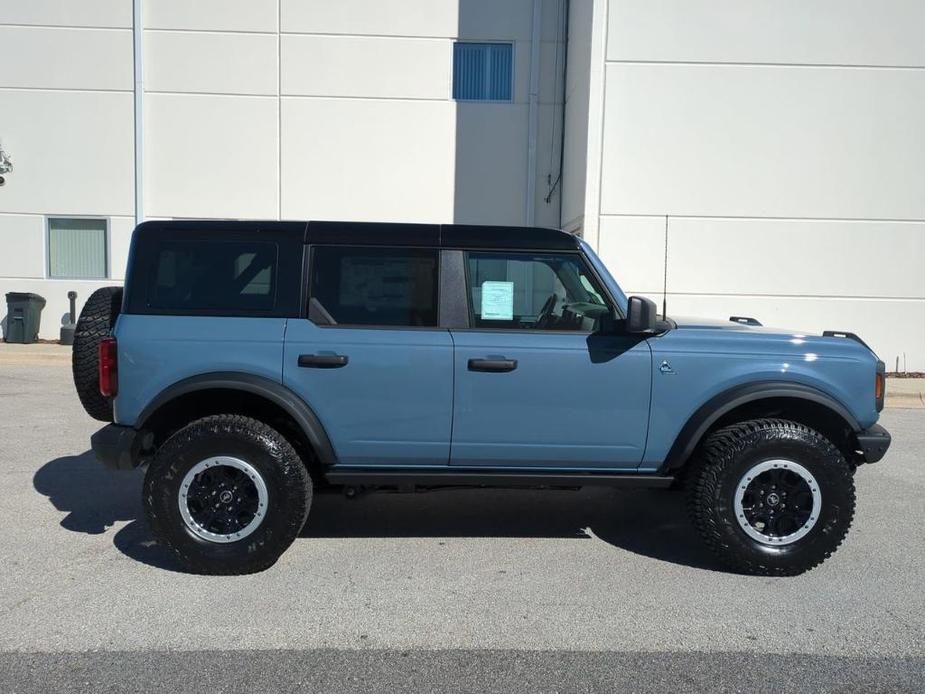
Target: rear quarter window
x,y
235,277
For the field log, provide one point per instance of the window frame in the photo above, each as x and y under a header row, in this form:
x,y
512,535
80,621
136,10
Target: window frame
x,y
107,247
578,255
513,82
309,262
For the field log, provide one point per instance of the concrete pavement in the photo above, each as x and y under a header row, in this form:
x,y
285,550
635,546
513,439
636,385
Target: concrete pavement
x,y
439,671
593,590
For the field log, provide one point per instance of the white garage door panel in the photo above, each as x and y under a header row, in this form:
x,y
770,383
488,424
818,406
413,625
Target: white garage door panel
x,y
871,259
210,63
210,156
378,17
839,32
367,160
22,240
633,248
491,20
39,57
764,141
82,13
367,67
120,237
491,155
215,15
72,151
766,257
890,327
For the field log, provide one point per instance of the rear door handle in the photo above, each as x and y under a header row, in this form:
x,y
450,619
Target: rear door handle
x,y
323,361
492,365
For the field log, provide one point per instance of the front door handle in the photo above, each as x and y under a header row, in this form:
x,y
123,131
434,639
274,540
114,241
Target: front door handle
x,y
323,361
492,365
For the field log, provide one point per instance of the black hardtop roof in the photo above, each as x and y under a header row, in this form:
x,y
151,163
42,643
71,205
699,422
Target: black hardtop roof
x,y
375,233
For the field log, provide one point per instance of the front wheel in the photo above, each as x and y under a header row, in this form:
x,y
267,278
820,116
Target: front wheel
x,y
227,495
771,497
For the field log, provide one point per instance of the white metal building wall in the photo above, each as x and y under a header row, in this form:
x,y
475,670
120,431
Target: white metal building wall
x,y
268,109
785,143
66,121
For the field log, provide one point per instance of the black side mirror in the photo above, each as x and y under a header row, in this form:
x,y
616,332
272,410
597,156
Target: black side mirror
x,y
641,315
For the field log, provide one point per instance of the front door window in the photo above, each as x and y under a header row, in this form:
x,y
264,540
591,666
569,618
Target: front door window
x,y
529,291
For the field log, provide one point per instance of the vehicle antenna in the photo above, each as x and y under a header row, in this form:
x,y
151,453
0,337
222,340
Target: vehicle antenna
x,y
665,276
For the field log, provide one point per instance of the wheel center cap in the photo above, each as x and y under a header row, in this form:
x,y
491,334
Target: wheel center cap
x,y
772,499
225,497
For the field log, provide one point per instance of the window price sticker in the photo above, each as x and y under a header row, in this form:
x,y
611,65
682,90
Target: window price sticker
x,y
497,301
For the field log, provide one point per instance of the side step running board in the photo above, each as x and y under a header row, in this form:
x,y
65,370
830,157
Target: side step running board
x,y
452,478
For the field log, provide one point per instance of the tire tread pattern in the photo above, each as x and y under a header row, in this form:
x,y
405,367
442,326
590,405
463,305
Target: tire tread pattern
x,y
96,322
706,474
294,503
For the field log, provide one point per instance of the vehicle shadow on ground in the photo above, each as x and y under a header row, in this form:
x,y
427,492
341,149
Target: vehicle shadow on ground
x,y
95,499
646,522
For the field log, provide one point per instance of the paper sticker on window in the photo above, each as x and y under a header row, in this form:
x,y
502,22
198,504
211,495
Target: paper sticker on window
x,y
497,301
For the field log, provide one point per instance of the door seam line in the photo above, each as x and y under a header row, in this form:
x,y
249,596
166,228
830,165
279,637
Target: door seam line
x,y
449,456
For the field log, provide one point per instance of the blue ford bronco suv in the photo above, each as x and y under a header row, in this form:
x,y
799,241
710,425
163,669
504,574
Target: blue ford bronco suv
x,y
248,363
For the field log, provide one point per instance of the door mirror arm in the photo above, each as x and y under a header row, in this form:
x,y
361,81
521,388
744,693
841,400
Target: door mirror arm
x,y
610,323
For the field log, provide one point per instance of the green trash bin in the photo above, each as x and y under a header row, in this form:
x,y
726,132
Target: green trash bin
x,y
23,315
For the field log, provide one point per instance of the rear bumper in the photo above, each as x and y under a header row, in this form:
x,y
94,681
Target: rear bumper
x,y
118,447
874,443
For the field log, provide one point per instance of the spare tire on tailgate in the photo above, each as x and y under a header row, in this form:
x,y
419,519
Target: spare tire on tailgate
x,y
96,322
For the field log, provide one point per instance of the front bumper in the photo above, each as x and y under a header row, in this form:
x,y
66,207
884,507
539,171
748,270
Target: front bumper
x,y
874,443
119,447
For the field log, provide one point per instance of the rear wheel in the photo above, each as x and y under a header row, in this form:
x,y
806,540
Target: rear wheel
x,y
227,494
96,322
771,497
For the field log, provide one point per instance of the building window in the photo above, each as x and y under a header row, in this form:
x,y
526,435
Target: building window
x,y
483,71
77,248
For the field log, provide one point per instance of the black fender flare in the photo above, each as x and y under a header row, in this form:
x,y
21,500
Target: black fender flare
x,y
263,387
717,406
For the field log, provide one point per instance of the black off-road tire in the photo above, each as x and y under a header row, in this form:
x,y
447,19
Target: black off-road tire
x,y
732,451
288,485
96,322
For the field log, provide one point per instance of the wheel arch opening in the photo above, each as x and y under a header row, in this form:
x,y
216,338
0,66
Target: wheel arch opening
x,y
809,412
174,414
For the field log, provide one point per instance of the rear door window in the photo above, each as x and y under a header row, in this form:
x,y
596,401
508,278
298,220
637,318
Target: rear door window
x,y
375,286
214,276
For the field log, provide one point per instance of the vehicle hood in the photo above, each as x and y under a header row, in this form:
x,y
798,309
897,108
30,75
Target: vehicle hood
x,y
759,334
696,323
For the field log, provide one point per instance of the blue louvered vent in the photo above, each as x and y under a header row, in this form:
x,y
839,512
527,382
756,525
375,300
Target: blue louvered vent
x,y
482,71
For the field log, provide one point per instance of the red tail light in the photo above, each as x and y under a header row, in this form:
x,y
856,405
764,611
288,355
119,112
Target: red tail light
x,y
109,367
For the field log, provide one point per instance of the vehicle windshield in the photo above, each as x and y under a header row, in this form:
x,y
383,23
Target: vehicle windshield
x,y
605,275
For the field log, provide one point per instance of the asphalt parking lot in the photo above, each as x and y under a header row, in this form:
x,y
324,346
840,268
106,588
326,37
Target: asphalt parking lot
x,y
594,590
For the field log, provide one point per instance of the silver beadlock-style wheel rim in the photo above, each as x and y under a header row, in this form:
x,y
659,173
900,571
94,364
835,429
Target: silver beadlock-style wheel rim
x,y
223,499
777,502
